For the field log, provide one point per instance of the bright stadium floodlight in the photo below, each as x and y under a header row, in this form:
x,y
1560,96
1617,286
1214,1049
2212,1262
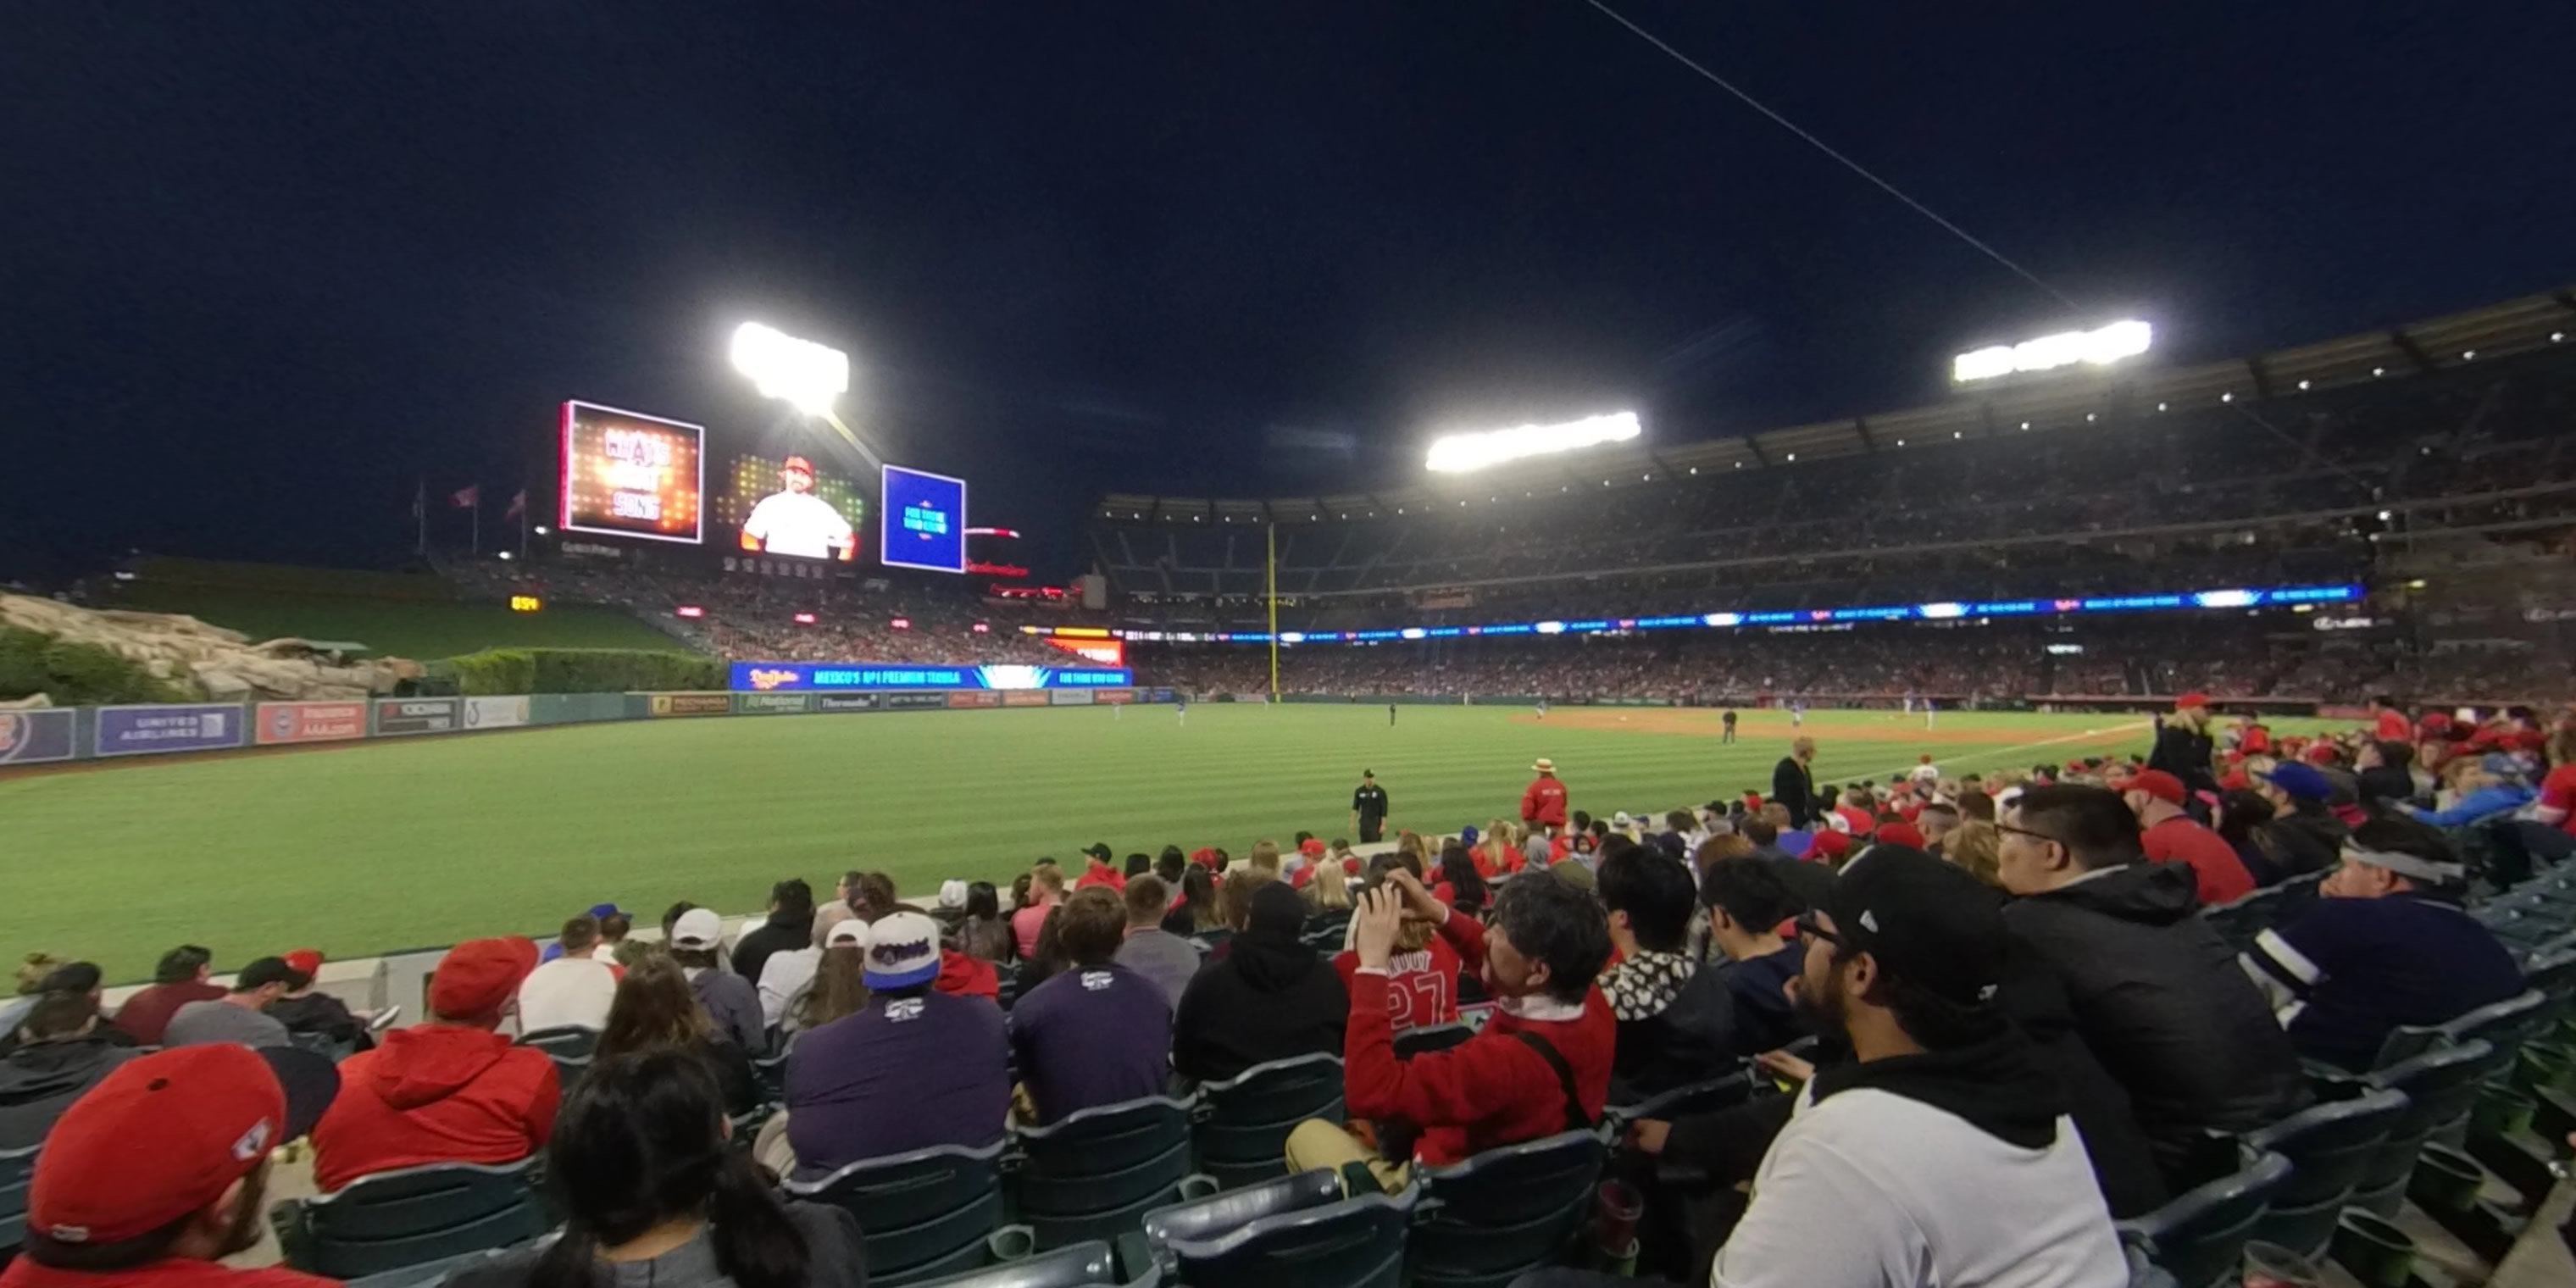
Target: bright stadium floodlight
x,y
2099,347
800,373
1454,453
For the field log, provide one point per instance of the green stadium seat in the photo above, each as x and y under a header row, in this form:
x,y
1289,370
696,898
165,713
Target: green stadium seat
x,y
1243,1122
1076,1265
924,1214
407,1218
569,1046
2330,1147
2441,1087
1484,1221
1682,1102
1346,1243
17,1172
1094,1174
2199,1237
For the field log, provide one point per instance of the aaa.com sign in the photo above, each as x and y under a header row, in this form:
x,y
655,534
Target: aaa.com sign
x,y
280,722
142,731
31,737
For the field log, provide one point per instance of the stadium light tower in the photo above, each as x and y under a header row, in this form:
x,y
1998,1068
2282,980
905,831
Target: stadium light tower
x,y
806,376
1457,453
2099,347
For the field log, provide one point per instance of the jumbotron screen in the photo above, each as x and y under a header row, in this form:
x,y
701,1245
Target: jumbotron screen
x,y
925,521
787,507
626,474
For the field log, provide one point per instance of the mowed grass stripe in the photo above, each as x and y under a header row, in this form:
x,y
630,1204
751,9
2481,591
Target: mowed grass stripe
x,y
411,843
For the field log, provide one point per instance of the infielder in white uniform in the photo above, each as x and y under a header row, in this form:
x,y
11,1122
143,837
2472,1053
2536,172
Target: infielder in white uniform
x,y
794,521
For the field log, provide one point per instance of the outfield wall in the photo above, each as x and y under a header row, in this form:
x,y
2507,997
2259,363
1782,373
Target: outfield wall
x,y
55,735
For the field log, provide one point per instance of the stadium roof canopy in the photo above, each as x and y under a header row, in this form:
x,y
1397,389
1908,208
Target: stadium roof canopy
x,y
2048,401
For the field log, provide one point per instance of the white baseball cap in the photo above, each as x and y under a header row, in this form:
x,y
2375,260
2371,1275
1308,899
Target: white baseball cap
x,y
697,928
903,951
850,934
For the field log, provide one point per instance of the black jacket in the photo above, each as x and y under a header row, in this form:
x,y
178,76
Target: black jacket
x,y
783,932
2124,1162
2160,1000
2185,755
39,1082
1270,998
323,1014
1795,788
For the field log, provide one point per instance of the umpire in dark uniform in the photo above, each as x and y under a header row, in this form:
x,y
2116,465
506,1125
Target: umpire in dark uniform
x,y
1368,808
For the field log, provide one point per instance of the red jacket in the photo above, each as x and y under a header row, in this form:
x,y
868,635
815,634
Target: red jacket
x,y
440,1093
1544,801
967,976
147,1013
1423,987
2222,875
1487,1092
1101,874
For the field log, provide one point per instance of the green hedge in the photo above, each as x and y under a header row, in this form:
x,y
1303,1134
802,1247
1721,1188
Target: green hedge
x,y
581,670
76,674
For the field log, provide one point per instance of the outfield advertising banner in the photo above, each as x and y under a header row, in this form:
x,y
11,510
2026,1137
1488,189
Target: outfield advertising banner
x,y
1027,698
974,698
1114,697
142,731
281,722
782,677
690,704
1071,697
849,702
32,737
917,701
771,704
397,717
496,713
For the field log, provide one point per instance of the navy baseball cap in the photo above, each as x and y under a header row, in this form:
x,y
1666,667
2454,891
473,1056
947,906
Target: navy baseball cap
x,y
2300,782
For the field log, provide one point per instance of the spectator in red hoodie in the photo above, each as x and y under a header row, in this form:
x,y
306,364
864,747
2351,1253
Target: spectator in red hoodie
x,y
2170,836
1543,802
1099,871
451,1090
2389,724
179,980
1540,1066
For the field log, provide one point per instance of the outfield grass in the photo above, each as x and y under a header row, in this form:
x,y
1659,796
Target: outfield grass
x,y
420,629
371,847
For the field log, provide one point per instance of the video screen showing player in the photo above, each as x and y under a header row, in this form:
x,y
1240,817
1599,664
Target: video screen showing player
x,y
788,508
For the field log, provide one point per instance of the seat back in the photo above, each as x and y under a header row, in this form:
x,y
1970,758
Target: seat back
x,y
2551,971
1076,1265
1350,1243
1430,1037
569,1046
2240,920
2507,1024
2441,1086
324,1045
2330,1148
1232,1209
1486,1220
404,1218
1244,1122
1094,1174
2199,1236
1681,1102
17,1171
924,1214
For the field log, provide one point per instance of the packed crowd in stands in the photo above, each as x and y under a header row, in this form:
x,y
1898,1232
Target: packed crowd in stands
x,y
2027,976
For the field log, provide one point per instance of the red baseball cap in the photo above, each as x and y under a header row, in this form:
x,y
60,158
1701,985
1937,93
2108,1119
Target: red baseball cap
x,y
2192,700
1311,847
798,464
306,962
477,977
2435,720
2159,784
165,1134
1900,834
2321,752
1830,844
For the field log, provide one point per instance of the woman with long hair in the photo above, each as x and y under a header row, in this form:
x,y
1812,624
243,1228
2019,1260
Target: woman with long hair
x,y
1196,913
1976,848
1330,890
654,1193
1461,886
985,933
839,990
654,1010
1414,853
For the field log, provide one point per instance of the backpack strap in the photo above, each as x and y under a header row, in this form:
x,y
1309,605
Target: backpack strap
x,y
1575,1118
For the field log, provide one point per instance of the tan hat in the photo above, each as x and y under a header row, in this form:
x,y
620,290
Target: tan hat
x,y
1545,765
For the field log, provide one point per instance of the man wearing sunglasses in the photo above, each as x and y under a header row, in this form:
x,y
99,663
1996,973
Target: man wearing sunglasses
x,y
1942,1153
2154,991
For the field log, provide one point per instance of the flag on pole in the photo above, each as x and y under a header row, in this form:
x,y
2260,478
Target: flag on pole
x,y
468,497
518,505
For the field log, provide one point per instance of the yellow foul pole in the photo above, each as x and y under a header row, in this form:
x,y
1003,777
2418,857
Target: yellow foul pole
x,y
1270,575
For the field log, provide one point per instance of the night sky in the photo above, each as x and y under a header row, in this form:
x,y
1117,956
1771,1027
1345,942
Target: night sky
x,y
263,265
